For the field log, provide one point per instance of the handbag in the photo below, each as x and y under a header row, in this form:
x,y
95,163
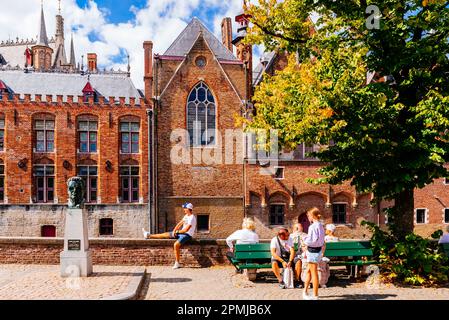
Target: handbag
x,y
314,249
288,278
285,255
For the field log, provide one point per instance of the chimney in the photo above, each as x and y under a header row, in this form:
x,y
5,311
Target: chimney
x,y
148,75
226,33
92,62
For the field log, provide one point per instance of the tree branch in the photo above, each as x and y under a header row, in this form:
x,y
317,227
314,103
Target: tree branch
x,y
277,35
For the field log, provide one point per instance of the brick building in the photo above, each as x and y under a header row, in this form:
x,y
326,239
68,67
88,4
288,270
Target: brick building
x,y
223,194
57,121
144,154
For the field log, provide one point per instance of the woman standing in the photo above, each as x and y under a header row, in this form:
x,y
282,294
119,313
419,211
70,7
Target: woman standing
x,y
314,242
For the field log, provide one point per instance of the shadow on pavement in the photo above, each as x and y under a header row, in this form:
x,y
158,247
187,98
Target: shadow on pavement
x,y
360,297
171,280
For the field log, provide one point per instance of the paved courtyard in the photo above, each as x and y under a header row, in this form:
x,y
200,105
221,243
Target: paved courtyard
x,y
28,282
222,283
25,282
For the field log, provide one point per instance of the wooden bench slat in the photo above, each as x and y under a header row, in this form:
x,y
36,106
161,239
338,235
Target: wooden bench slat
x,y
348,253
252,255
348,245
252,247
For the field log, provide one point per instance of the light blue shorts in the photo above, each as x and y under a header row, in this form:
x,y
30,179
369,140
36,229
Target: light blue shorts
x,y
313,257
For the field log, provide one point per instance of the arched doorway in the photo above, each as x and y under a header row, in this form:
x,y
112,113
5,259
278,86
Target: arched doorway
x,y
304,221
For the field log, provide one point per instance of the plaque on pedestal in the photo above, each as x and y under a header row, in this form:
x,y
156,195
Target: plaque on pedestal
x,y
76,259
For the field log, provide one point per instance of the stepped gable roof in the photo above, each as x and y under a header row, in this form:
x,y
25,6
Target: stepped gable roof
x,y
69,84
186,39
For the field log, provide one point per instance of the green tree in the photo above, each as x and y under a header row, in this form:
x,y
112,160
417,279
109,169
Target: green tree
x,y
387,137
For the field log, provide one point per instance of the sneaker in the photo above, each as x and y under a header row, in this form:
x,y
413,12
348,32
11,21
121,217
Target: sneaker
x,y
176,265
282,285
298,285
314,298
146,234
305,296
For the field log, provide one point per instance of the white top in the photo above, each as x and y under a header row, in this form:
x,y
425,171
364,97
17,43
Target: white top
x,y
444,238
243,236
189,220
331,239
287,244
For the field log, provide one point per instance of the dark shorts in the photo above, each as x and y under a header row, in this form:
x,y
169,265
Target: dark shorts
x,y
182,238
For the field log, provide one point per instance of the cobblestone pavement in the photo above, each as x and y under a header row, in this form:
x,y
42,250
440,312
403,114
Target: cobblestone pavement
x,y
222,283
31,282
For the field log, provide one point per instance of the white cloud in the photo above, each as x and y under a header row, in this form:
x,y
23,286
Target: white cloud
x,y
160,21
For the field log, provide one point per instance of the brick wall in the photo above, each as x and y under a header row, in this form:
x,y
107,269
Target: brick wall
x,y
203,253
214,189
27,221
19,144
20,215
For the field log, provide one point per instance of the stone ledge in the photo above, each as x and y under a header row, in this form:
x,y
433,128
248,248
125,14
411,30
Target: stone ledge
x,y
133,289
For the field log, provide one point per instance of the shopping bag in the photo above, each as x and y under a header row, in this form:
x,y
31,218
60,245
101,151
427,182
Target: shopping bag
x,y
288,278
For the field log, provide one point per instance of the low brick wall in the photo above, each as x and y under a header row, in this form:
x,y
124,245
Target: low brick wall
x,y
126,252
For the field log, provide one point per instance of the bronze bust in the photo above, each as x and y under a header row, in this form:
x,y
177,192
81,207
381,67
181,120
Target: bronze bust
x,y
76,189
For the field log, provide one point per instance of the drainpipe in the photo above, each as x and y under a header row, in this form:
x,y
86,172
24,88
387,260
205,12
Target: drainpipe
x,y
155,144
150,171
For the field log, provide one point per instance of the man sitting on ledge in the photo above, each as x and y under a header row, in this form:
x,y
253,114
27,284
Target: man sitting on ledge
x,y
183,232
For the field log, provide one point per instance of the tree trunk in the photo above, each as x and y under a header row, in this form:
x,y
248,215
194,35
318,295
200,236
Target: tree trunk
x,y
401,217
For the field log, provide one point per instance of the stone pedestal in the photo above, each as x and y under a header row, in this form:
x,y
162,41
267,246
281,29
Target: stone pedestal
x,y
76,259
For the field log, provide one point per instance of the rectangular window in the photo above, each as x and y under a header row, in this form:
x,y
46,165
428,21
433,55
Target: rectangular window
x,y
48,231
2,182
277,213
129,176
421,216
203,223
90,177
129,137
106,227
339,213
44,181
88,132
446,215
2,135
44,135
446,181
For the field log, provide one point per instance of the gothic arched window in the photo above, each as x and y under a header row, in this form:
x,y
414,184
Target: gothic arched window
x,y
201,116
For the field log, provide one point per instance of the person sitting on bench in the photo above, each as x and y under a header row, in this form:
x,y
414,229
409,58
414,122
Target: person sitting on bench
x,y
283,255
246,235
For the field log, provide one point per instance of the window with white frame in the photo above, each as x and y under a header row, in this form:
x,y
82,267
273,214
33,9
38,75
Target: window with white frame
x,y
44,131
421,216
446,181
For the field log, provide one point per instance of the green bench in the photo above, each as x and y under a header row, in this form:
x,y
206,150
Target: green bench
x,y
251,257
352,254
357,253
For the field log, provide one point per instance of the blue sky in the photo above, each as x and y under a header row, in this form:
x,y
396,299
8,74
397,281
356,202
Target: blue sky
x,y
115,28
121,11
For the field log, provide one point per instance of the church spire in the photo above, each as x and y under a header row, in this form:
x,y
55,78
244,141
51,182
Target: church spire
x,y
43,39
72,54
